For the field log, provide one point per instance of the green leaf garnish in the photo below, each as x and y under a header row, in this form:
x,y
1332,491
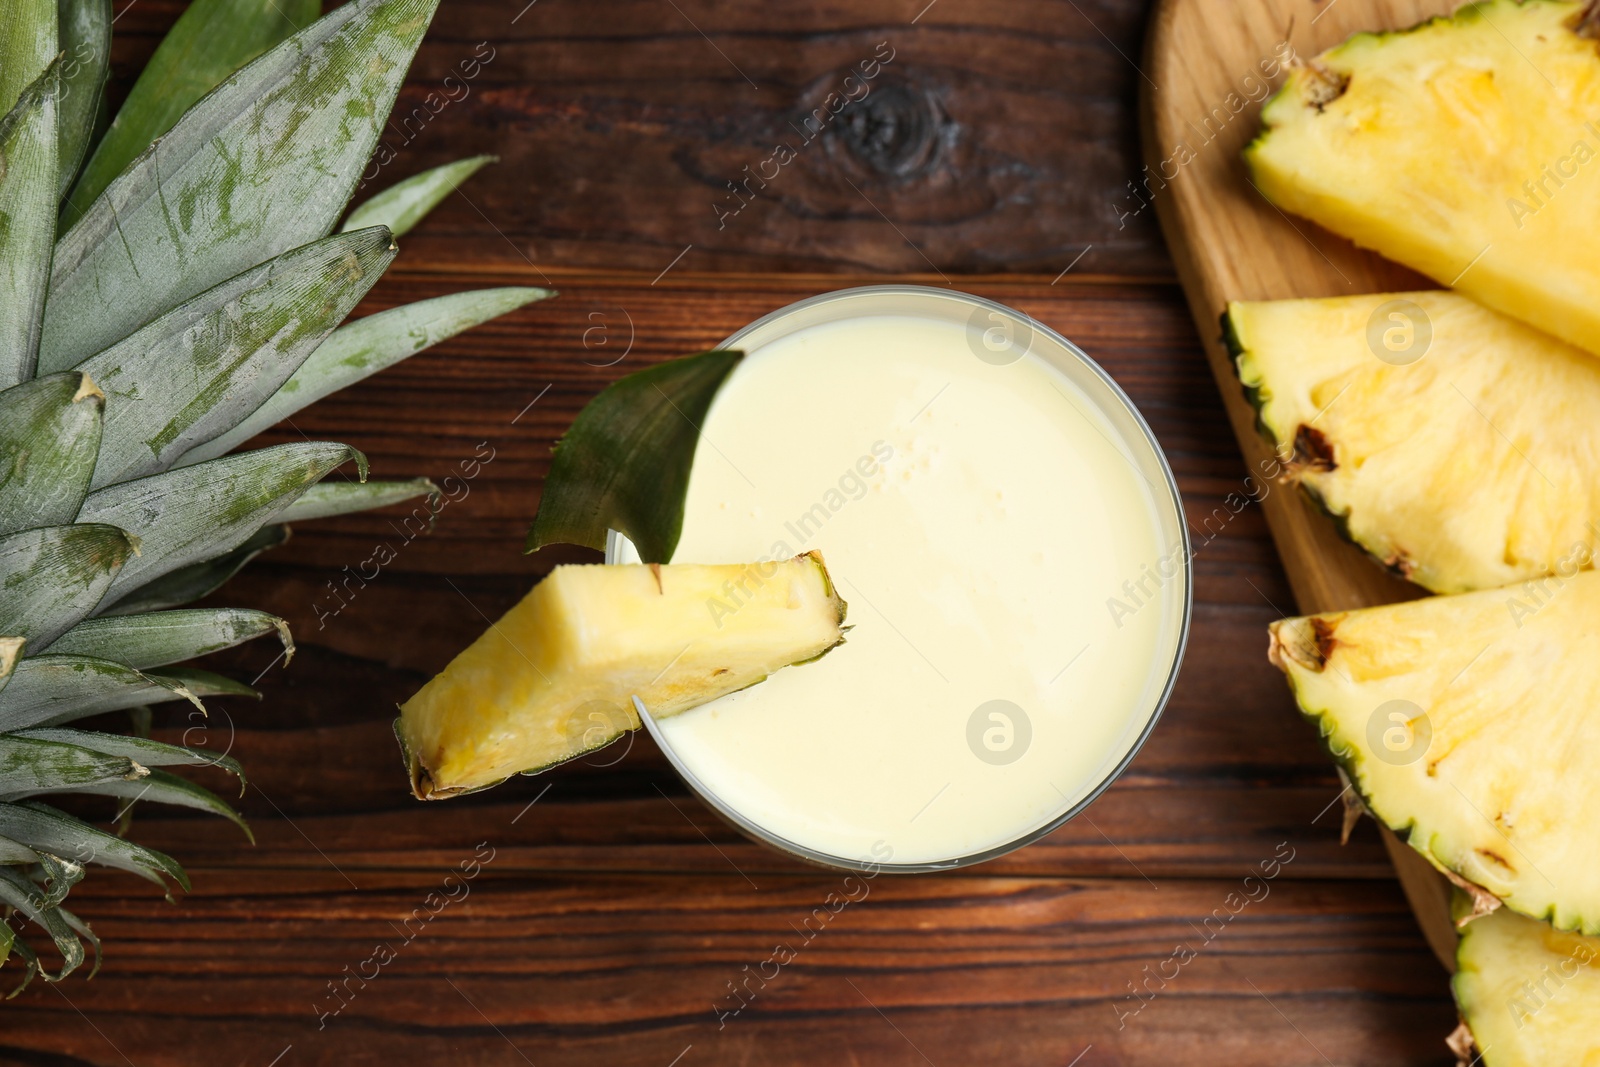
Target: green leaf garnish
x,y
625,463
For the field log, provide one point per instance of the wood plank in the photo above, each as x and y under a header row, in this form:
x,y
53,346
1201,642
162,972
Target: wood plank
x,y
1134,833
1213,61
997,137
553,970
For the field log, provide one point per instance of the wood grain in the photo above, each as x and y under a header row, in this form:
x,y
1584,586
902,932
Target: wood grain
x,y
559,970
1211,62
998,137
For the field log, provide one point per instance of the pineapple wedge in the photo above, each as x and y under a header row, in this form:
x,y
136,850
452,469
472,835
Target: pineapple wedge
x,y
1468,724
555,677
1454,444
1530,995
1466,148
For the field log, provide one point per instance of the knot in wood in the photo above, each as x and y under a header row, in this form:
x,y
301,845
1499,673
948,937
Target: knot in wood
x,y
893,131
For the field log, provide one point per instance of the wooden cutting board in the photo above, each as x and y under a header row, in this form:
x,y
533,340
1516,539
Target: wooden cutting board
x,y
1208,66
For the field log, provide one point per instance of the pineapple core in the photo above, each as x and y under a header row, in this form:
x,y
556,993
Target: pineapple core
x,y
555,676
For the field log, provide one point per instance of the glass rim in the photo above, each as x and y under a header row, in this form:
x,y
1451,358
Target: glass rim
x,y
814,857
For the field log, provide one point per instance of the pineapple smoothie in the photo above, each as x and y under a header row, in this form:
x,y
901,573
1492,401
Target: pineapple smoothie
x,y
1013,557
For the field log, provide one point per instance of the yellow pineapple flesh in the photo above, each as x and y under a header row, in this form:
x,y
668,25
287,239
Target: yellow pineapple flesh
x,y
1467,148
1468,725
1454,444
555,677
1529,995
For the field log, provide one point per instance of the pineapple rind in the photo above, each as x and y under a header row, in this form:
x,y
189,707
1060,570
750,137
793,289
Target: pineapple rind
x,y
1473,467
1435,147
554,678
1500,793
1530,994
1257,395
1250,384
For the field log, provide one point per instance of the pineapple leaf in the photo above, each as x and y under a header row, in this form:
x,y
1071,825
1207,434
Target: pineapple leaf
x,y
155,639
21,948
55,576
45,829
49,437
50,690
263,163
27,221
203,683
189,515
81,928
163,788
366,346
85,44
29,899
34,765
61,875
27,44
625,463
141,750
210,40
404,204
327,499
14,853
193,373
188,584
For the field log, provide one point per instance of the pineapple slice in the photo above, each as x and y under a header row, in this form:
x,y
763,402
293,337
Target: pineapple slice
x,y
1469,724
1456,445
1467,148
555,677
1530,995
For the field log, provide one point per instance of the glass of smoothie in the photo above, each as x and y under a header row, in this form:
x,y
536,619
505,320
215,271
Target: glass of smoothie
x,y
1010,541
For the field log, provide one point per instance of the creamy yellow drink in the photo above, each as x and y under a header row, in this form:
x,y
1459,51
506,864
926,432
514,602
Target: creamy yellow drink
x,y
1012,555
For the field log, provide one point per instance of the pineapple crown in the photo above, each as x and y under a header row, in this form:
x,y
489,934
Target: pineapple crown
x,y
167,291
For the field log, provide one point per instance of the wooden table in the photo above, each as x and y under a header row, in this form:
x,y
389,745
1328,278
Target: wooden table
x,y
614,913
